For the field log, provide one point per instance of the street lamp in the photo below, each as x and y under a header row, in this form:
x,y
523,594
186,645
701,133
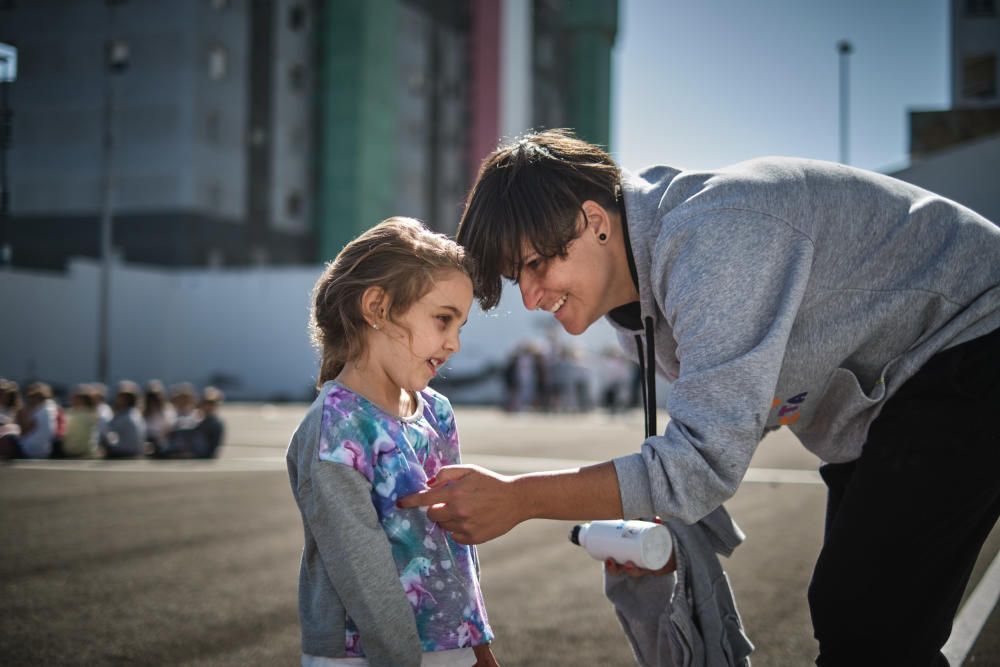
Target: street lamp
x,y
845,49
116,62
8,74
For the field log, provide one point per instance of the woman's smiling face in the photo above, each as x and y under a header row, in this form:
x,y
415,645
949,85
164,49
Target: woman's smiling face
x,y
574,288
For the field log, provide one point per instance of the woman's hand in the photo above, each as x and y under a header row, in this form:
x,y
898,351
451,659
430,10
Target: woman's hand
x,y
484,656
630,569
472,503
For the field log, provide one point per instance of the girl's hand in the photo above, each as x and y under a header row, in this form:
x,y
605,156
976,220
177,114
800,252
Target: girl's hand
x,y
484,656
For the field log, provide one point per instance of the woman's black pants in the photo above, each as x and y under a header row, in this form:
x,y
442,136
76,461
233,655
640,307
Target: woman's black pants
x,y
906,521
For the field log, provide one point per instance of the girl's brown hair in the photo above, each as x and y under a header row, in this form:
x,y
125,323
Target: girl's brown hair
x,y
532,190
400,256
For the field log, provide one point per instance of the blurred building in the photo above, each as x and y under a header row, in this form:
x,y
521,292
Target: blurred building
x,y
415,93
266,132
956,152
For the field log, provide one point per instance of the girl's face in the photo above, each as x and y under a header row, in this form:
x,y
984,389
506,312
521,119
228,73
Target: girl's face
x,y
411,352
573,288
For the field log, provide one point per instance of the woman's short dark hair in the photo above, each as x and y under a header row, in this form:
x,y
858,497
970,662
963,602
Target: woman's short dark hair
x,y
531,190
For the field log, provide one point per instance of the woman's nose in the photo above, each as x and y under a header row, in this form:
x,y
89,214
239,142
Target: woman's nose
x,y
530,294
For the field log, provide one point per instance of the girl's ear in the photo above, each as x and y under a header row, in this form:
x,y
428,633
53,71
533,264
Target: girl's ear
x,y
374,304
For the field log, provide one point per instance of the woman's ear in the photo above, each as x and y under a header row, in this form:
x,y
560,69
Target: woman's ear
x,y
374,304
598,220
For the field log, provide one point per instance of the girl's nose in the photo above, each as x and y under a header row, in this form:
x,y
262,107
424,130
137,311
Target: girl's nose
x,y
454,343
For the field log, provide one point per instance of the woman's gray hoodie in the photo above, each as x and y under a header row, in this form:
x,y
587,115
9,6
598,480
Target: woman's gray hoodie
x,y
789,292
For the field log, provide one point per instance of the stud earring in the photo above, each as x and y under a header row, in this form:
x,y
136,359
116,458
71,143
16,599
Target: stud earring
x,y
375,327
603,236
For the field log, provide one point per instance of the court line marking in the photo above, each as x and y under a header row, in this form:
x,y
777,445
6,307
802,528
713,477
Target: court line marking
x,y
973,615
519,464
500,463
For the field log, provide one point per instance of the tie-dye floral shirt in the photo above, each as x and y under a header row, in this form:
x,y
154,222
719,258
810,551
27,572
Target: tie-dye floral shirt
x,y
397,456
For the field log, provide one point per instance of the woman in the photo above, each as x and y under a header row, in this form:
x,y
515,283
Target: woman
x,y
858,310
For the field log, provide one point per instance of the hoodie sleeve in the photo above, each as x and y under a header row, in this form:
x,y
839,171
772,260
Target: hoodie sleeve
x,y
359,563
730,283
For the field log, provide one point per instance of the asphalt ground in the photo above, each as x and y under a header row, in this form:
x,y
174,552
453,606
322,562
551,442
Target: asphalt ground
x,y
195,563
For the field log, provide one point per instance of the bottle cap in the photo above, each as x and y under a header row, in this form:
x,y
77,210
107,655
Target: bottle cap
x,y
574,535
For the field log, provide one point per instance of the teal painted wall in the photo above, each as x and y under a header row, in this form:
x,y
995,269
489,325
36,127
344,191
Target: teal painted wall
x,y
592,26
356,119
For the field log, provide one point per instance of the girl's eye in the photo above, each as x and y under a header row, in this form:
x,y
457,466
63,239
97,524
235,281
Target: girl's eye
x,y
446,319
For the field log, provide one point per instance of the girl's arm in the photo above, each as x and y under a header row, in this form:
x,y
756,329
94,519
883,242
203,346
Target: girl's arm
x,y
358,560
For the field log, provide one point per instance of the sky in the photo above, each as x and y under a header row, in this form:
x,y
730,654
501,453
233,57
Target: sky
x,y
705,83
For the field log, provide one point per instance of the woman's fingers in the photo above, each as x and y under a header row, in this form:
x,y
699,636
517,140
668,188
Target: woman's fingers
x,y
630,569
440,489
473,503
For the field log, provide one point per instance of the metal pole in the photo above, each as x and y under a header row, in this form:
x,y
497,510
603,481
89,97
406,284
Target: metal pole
x,y
104,290
8,74
116,60
6,251
844,48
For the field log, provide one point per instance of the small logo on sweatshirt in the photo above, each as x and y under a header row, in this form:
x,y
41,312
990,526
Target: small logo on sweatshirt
x,y
789,412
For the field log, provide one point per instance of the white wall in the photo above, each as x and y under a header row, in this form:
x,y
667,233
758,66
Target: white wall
x,y
176,326
188,326
968,174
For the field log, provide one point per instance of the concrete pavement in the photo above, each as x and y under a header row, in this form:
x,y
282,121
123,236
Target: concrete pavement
x,y
195,563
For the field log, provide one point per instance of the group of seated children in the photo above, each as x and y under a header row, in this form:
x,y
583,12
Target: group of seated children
x,y
136,424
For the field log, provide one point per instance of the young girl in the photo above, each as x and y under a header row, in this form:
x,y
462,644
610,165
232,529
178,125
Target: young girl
x,y
379,585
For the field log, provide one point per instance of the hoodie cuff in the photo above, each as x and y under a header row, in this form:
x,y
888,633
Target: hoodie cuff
x,y
633,485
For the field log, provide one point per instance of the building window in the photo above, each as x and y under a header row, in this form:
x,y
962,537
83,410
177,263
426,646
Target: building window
x,y
297,140
980,8
979,77
297,17
297,78
293,204
213,128
213,196
218,62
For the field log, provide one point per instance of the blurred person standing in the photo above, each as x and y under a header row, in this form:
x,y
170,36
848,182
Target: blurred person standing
x,y
580,378
38,421
617,374
82,423
126,432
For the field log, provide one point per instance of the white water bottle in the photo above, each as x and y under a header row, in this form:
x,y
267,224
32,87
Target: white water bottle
x,y
646,544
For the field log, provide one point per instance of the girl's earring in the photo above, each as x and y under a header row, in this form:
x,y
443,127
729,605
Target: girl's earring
x,y
603,237
375,327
